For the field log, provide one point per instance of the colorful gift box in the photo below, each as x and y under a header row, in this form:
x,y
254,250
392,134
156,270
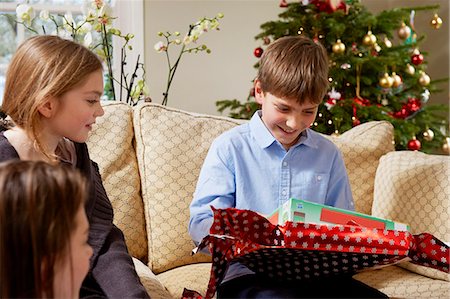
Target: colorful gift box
x,y
298,210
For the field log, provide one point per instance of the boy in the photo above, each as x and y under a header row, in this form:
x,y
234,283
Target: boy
x,y
275,156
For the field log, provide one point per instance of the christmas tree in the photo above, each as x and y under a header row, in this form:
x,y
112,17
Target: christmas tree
x,y
371,78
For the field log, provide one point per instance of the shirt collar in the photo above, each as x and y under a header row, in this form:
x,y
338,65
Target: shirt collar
x,y
264,138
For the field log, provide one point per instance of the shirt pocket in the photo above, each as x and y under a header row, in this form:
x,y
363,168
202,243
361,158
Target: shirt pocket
x,y
312,186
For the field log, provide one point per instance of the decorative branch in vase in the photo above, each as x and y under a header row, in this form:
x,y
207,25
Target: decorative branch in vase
x,y
192,36
94,30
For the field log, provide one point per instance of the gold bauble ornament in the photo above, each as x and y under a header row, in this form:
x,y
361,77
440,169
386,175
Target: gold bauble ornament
x,y
338,47
424,79
404,31
386,81
446,146
377,47
410,69
428,135
387,43
397,80
436,21
369,39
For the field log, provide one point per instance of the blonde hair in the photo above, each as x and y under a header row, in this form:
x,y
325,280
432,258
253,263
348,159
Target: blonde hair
x,y
43,66
295,67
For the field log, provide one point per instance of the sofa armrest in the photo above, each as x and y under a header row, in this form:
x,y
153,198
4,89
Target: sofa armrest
x,y
151,283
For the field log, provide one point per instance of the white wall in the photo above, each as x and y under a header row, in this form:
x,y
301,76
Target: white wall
x,y
226,73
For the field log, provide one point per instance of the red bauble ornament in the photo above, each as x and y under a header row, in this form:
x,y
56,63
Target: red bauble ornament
x,y
414,144
417,59
413,105
258,52
283,3
356,122
402,113
361,101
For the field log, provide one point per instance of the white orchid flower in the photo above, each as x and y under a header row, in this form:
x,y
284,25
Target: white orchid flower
x,y
65,34
160,47
87,41
44,15
105,11
204,25
187,40
25,13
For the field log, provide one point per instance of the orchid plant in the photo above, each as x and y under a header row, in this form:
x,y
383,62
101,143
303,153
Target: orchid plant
x,y
95,31
188,45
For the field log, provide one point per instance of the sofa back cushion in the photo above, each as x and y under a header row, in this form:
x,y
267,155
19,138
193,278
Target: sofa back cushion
x,y
361,148
111,146
171,146
414,188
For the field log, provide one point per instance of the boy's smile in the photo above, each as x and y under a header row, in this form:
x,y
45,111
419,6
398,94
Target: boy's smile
x,y
285,119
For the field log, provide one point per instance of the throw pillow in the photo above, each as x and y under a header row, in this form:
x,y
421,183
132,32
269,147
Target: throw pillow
x,y
171,145
111,146
413,188
361,148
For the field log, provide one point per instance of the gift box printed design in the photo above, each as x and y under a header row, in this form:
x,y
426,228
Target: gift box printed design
x,y
298,210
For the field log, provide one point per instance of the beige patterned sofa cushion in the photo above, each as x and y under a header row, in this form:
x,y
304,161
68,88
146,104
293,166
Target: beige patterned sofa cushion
x,y
111,146
399,283
361,148
414,188
171,146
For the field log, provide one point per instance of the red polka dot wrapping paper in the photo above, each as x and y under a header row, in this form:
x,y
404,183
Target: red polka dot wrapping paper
x,y
297,251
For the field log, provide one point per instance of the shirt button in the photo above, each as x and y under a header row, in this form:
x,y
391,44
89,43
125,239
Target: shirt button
x,y
284,192
284,164
319,177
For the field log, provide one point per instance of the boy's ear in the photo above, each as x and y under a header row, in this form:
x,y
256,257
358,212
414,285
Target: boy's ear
x,y
259,93
48,108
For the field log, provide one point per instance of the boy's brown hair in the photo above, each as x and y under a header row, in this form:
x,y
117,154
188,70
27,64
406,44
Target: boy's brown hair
x,y
295,67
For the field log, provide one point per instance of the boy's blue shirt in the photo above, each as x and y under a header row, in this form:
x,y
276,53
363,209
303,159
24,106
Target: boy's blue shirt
x,y
247,168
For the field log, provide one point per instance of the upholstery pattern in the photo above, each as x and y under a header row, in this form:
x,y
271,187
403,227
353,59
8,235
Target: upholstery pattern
x,y
193,277
171,146
111,146
361,148
399,283
414,188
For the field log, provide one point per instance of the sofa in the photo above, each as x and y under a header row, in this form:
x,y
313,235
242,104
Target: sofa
x,y
150,157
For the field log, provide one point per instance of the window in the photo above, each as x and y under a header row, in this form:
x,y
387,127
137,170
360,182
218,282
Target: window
x,y
12,34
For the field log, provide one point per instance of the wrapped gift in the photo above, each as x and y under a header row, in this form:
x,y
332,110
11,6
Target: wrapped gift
x,y
298,210
298,250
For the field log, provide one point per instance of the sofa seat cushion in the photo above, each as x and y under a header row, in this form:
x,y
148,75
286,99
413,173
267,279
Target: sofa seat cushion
x,y
413,188
193,277
396,282
361,148
171,145
111,146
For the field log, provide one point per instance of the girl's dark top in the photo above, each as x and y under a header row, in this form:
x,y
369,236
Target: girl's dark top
x,y
112,273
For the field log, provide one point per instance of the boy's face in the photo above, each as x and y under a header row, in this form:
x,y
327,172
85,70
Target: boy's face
x,y
285,119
